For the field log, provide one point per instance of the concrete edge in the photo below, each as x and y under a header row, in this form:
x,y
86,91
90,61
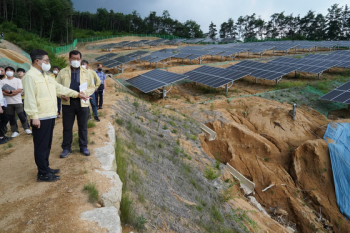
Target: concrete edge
x,y
108,216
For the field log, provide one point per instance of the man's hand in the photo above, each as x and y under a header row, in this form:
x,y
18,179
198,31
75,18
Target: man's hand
x,y
83,96
1,110
7,91
36,123
65,97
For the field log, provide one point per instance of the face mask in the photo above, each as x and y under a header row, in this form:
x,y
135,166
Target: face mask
x,y
55,72
84,66
9,73
75,64
45,67
99,69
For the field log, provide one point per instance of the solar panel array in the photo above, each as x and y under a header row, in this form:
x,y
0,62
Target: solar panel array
x,y
154,79
213,76
118,61
340,94
157,56
342,58
262,70
137,54
306,65
106,57
108,46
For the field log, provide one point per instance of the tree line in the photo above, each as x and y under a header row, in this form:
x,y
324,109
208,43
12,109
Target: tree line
x,y
335,25
58,22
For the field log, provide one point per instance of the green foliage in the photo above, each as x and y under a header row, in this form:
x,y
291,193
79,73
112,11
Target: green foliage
x,y
91,189
119,121
127,215
91,124
174,131
216,215
121,161
210,173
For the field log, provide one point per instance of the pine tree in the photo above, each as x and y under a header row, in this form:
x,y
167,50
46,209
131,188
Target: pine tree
x,y
212,30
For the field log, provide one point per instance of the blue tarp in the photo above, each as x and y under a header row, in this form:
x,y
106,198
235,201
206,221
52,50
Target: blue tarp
x,y
339,150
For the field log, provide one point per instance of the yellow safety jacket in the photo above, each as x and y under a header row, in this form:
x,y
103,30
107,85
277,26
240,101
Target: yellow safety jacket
x,y
64,78
96,78
41,92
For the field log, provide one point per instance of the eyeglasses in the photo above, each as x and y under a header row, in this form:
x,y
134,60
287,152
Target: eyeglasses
x,y
46,61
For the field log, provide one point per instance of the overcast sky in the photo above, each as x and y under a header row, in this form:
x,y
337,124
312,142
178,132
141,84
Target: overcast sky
x,y
205,11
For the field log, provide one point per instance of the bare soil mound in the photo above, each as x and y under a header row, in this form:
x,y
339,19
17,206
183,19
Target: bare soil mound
x,y
259,138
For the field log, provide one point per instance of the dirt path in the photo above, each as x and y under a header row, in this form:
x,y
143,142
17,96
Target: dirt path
x,y
29,206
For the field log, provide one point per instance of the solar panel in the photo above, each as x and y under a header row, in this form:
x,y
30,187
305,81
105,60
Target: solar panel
x,y
154,79
137,53
213,76
182,55
105,57
340,94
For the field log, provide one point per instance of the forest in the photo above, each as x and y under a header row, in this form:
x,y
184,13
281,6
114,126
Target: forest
x,y
58,22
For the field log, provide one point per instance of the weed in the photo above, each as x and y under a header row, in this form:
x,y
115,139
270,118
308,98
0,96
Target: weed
x,y
194,183
127,215
161,135
217,164
91,124
136,104
119,121
160,145
193,137
176,150
139,223
210,173
178,142
186,168
93,133
174,131
212,106
91,189
100,114
172,123
165,127
142,197
199,208
216,215
9,145
134,176
121,160
266,159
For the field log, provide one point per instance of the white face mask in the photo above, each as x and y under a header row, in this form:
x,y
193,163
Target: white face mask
x,y
75,64
84,66
9,73
55,72
45,67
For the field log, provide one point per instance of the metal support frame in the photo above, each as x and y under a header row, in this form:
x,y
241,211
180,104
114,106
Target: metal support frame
x,y
294,111
277,80
349,107
319,75
164,92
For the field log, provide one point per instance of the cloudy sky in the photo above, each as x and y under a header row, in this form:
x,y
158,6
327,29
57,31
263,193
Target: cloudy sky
x,y
205,11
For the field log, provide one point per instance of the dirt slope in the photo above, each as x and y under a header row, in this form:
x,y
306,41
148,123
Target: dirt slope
x,y
259,138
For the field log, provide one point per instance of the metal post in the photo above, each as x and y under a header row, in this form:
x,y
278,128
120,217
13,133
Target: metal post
x,y
261,55
156,64
276,81
248,54
163,63
200,61
191,61
294,111
226,89
273,52
164,93
256,80
319,75
221,58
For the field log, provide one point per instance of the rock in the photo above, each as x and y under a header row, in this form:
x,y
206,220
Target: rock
x,y
257,205
69,191
279,211
291,229
98,205
29,222
106,217
114,195
142,119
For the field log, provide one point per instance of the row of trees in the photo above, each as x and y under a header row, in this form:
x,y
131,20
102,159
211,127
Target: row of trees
x,y
57,21
333,26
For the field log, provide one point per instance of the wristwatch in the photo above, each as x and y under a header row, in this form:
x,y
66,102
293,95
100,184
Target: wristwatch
x,y
11,92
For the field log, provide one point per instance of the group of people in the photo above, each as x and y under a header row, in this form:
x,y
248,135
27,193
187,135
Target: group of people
x,y
39,95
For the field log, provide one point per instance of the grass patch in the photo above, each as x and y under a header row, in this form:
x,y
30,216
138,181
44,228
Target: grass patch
x,y
91,124
174,131
127,215
172,123
193,137
119,121
91,189
210,173
100,114
216,215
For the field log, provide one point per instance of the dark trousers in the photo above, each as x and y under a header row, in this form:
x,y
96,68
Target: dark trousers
x,y
59,105
42,139
93,105
25,114
12,109
69,112
4,119
99,93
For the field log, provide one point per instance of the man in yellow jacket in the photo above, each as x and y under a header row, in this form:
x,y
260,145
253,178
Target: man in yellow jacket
x,y
97,81
41,106
75,77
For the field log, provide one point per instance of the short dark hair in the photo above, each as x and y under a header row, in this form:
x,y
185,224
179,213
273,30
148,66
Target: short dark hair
x,y
56,67
84,62
99,64
74,52
21,69
37,54
10,68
